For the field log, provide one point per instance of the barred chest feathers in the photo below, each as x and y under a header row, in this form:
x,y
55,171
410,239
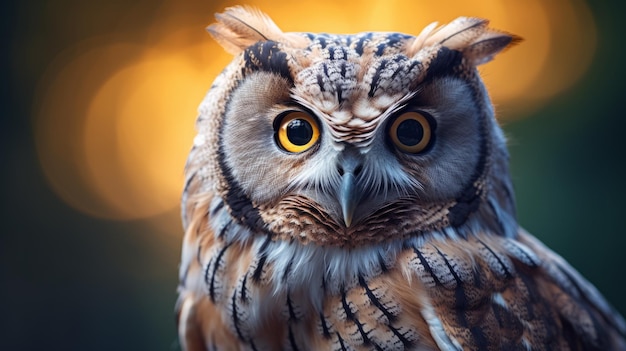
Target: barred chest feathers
x,y
351,192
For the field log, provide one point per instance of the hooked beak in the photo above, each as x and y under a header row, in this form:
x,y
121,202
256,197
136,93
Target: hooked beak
x,y
348,197
349,193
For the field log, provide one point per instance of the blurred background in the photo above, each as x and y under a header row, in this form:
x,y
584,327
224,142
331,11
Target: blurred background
x,y
99,100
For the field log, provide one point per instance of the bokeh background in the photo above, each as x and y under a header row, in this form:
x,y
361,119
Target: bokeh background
x,y
98,105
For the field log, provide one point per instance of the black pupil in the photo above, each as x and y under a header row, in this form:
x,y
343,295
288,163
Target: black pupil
x,y
299,132
410,132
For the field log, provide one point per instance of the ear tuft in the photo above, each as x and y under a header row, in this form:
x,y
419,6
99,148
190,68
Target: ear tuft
x,y
240,27
471,36
487,46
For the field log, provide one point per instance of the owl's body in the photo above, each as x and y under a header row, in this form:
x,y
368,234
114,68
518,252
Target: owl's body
x,y
351,192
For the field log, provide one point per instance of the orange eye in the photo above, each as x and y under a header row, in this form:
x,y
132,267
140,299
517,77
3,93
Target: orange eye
x,y
297,131
411,132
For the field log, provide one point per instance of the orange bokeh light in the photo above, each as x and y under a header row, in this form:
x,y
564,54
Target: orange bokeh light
x,y
115,120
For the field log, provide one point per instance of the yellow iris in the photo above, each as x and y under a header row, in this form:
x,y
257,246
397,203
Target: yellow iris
x,y
298,131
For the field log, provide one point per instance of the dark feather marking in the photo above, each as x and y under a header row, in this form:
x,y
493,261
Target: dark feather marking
x,y
426,266
267,56
320,82
233,307
292,313
338,85
225,227
240,205
375,300
380,49
506,271
217,208
360,44
206,271
414,63
398,59
406,342
444,63
376,77
351,317
292,339
349,40
218,260
339,92
461,305
325,330
343,347
478,279
244,288
256,276
459,293
322,41
288,268
467,203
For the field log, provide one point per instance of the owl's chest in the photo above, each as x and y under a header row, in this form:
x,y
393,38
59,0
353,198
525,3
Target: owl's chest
x,y
274,295
417,294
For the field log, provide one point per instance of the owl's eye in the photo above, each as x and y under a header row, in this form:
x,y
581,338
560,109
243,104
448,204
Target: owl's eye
x,y
411,132
297,131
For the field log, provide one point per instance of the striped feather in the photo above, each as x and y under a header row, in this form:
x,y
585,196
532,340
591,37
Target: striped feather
x,y
471,36
240,27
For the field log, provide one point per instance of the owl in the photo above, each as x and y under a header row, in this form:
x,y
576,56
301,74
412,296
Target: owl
x,y
352,192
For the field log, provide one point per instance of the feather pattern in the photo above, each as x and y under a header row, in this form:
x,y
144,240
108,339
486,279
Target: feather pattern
x,y
433,257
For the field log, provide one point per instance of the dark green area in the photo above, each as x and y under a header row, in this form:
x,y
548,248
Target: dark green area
x,y
72,282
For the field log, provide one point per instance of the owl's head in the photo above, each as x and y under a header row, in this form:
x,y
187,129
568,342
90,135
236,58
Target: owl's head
x,y
348,140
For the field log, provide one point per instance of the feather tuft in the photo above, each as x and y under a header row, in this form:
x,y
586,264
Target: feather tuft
x,y
469,35
241,26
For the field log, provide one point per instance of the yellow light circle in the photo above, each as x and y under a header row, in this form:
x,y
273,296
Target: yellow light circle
x,y
283,133
138,132
114,145
423,122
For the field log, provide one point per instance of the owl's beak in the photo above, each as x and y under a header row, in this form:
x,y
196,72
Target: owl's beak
x,y
349,193
348,197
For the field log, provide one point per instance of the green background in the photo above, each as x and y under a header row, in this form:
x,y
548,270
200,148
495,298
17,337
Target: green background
x,y
73,282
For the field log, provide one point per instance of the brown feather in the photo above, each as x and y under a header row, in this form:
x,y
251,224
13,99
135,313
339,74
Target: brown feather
x,y
240,27
478,43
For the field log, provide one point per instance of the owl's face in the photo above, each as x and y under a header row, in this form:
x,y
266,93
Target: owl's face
x,y
347,140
